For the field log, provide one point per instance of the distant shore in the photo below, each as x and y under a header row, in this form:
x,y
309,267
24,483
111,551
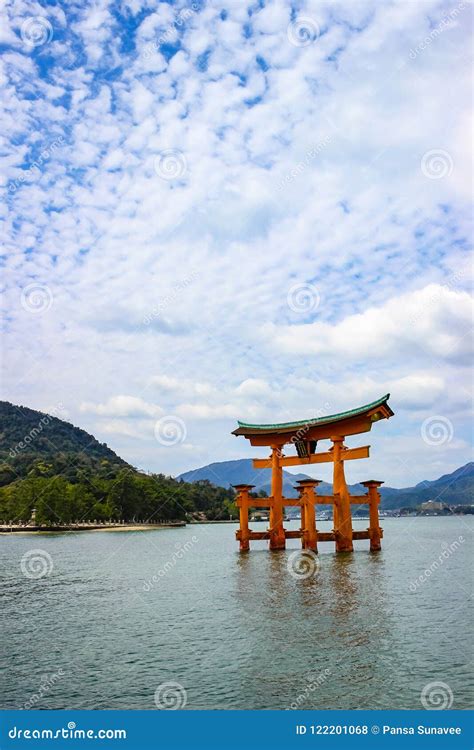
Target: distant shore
x,y
16,529
225,520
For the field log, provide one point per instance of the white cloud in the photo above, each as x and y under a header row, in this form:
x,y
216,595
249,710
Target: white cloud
x,y
253,387
141,430
303,165
123,406
206,411
418,390
433,321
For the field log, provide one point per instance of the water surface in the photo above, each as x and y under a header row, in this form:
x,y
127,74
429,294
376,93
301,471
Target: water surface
x,y
237,631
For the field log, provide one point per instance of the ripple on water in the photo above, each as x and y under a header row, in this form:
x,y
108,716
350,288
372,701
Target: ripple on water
x,y
237,631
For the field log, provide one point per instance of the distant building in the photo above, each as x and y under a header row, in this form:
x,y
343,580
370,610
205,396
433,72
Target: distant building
x,y
260,517
432,505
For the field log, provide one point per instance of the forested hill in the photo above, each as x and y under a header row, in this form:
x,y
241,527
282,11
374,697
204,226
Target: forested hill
x,y
35,443
67,475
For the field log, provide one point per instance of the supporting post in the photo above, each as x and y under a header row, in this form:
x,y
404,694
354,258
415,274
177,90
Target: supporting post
x,y
309,539
242,503
277,532
342,511
374,526
303,515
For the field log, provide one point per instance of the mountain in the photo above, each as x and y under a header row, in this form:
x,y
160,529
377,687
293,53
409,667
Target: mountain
x,y
228,473
241,471
456,488
33,441
67,475
462,473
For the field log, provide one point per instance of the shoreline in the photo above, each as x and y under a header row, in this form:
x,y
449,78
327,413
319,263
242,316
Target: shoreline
x,y
24,530
7,530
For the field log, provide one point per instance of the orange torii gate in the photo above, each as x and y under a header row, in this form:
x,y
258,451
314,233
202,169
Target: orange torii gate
x,y
305,436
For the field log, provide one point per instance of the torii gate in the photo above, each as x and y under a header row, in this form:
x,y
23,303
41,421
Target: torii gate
x,y
305,436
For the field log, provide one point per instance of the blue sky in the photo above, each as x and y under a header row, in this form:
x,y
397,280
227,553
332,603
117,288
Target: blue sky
x,y
218,210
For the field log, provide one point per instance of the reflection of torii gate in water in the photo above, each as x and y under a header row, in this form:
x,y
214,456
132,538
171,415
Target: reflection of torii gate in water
x,y
305,436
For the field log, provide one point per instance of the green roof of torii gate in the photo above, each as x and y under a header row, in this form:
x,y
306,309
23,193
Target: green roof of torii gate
x,y
318,421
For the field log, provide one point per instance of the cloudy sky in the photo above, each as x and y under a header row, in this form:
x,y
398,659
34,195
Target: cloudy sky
x,y
227,210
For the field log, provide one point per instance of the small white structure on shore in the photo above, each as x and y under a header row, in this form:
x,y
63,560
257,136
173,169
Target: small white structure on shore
x,y
432,505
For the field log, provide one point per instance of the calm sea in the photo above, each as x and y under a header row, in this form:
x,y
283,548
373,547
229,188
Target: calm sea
x,y
118,616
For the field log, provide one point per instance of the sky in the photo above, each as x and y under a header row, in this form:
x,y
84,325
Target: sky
x,y
228,210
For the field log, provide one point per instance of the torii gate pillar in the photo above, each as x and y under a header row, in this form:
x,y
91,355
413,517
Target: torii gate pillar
x,y
342,509
309,538
374,525
243,499
277,532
